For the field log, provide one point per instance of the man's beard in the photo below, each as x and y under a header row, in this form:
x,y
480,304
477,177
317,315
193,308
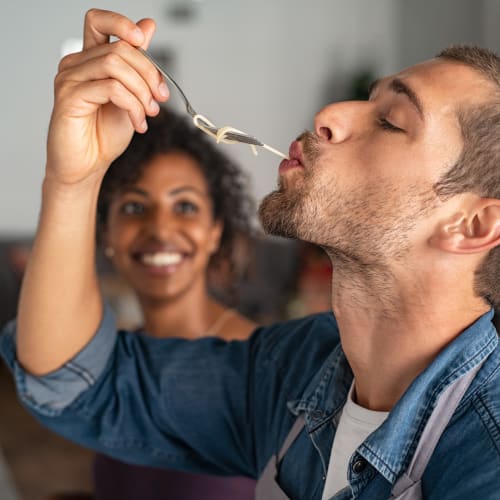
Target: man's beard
x,y
366,226
277,213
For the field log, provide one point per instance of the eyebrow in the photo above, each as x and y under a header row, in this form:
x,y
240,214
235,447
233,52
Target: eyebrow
x,y
399,87
133,189
183,189
173,192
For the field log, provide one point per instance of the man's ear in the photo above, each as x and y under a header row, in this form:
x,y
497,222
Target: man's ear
x,y
473,231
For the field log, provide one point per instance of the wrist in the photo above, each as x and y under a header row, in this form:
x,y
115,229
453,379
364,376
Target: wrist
x,y
70,208
54,185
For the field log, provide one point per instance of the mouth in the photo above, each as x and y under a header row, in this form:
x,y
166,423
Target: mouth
x,y
295,158
160,259
159,262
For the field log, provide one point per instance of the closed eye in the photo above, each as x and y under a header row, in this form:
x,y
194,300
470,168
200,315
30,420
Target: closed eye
x,y
387,125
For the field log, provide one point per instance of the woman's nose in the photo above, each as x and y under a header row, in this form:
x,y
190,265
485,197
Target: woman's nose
x,y
160,224
337,122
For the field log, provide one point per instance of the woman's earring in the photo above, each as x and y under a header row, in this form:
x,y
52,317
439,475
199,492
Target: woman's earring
x,y
109,252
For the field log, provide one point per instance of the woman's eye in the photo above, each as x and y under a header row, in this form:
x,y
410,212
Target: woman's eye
x,y
186,208
132,208
387,125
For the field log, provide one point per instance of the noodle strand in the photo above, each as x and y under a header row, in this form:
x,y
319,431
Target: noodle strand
x,y
202,122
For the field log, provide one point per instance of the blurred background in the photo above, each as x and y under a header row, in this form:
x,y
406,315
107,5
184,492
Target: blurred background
x,y
263,66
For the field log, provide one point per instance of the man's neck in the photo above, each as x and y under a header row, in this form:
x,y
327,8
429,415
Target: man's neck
x,y
391,337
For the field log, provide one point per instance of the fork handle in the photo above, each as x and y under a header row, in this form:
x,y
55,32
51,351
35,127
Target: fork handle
x,y
189,108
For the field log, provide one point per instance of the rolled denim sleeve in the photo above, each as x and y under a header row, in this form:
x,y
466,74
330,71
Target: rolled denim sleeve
x,y
206,405
52,393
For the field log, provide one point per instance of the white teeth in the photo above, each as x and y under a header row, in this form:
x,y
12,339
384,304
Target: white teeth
x,y
161,259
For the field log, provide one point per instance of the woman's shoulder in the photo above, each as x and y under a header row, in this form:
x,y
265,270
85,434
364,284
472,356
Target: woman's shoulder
x,y
236,326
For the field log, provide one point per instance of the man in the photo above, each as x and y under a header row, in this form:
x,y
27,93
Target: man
x,y
403,193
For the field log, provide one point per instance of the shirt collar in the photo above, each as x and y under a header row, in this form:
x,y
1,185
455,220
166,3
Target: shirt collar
x,y
390,448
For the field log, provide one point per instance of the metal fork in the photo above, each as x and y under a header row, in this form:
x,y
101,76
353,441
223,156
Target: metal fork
x,y
232,136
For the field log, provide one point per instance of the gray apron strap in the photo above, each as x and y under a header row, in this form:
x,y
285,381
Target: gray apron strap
x,y
408,486
267,488
7,487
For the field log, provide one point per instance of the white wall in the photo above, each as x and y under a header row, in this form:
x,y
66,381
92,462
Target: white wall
x,y
31,42
426,27
278,54
491,18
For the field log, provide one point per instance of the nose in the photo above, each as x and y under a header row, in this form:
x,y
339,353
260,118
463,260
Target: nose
x,y
338,122
160,224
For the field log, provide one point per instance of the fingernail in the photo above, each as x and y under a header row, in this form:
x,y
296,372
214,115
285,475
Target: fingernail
x,y
144,126
154,107
163,89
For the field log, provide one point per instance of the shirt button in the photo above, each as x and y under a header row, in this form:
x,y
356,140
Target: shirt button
x,y
359,466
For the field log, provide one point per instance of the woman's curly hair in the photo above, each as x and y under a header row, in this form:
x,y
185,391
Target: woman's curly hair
x,y
227,183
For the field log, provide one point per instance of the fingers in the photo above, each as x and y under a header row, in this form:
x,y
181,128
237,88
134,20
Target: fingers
x,y
148,28
101,24
120,61
130,88
108,79
96,94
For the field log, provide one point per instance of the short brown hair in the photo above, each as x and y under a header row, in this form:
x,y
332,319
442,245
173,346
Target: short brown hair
x,y
478,168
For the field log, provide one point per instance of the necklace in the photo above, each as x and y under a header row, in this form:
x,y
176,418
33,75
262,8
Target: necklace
x,y
220,321
212,330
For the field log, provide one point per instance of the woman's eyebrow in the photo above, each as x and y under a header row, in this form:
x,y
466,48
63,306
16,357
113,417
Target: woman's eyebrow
x,y
135,190
172,192
192,189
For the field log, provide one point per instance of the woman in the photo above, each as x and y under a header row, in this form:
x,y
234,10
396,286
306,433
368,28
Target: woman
x,y
172,210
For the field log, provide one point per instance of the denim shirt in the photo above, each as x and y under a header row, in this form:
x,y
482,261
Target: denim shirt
x,y
225,407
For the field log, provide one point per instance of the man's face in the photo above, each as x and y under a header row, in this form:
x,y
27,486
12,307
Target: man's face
x,y
362,184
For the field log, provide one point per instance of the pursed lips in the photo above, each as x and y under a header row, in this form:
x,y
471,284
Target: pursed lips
x,y
295,152
295,158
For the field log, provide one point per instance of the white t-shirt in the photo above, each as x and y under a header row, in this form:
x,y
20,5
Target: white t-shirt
x,y
355,425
